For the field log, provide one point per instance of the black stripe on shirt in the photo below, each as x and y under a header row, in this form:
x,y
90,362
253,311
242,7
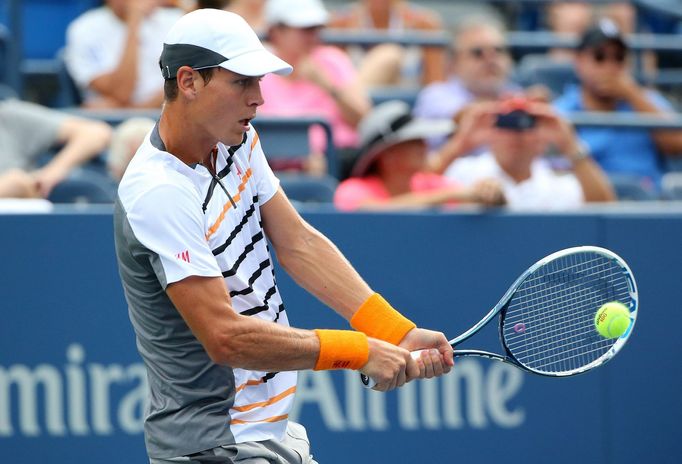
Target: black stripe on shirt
x,y
245,219
248,249
279,311
263,307
263,266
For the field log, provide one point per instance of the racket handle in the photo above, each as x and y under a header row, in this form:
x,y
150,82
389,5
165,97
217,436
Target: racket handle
x,y
369,382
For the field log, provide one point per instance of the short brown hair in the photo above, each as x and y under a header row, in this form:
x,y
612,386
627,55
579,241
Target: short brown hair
x,y
170,86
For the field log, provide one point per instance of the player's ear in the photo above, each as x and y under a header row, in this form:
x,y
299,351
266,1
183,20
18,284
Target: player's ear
x,y
186,81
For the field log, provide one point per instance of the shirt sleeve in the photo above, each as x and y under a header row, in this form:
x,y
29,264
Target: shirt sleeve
x,y
266,181
167,220
351,193
26,118
337,64
87,56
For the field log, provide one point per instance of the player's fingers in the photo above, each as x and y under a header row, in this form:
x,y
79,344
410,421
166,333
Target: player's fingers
x,y
427,358
437,362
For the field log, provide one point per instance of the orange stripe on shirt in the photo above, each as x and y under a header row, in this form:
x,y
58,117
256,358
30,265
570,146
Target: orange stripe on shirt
x,y
262,404
212,230
250,383
269,419
253,142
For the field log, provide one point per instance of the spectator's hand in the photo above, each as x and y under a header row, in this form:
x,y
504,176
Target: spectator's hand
x,y
555,129
137,10
475,125
488,192
437,359
617,85
309,70
390,366
47,178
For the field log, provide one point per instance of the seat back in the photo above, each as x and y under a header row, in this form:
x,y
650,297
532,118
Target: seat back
x,y
542,69
286,139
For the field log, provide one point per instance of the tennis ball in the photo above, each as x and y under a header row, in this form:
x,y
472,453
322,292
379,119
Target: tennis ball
x,y
612,319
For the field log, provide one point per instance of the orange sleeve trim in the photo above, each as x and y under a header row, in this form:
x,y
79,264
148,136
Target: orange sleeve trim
x,y
255,140
377,318
216,225
342,349
262,404
269,419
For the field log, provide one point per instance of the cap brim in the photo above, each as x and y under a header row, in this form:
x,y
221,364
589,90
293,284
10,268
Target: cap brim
x,y
257,63
417,129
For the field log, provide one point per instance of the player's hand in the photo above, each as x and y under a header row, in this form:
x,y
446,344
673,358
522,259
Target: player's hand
x,y
437,359
390,366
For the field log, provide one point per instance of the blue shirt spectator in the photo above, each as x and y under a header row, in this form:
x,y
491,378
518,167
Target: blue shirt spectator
x,y
635,151
606,85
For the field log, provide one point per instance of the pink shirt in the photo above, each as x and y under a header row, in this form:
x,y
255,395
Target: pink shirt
x,y
351,193
298,97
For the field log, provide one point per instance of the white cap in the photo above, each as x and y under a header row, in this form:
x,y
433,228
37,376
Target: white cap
x,y
208,38
296,13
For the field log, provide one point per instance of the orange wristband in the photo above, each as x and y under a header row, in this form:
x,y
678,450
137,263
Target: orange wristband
x,y
377,318
341,349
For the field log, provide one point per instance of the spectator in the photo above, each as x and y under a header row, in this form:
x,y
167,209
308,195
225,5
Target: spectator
x,y
606,85
324,82
126,138
28,131
389,64
391,173
517,141
253,11
480,70
112,52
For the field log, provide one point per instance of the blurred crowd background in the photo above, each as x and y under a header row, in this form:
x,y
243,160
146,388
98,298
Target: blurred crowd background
x,y
527,105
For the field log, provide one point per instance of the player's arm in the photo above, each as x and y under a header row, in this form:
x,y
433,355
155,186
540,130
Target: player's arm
x,y
317,265
248,342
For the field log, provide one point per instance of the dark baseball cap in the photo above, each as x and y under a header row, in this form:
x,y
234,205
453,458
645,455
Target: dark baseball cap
x,y
605,30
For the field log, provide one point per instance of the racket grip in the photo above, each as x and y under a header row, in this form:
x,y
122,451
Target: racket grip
x,y
369,382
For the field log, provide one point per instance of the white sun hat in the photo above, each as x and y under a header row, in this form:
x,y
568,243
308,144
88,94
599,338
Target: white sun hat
x,y
296,13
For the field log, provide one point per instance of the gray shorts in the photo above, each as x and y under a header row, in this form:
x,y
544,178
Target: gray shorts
x,y
294,449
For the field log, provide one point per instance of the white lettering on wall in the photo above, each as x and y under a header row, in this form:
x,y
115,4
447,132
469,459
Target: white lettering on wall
x,y
82,398
471,396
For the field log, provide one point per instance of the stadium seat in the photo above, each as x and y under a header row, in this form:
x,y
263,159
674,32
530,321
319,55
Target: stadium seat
x,y
84,185
303,188
286,140
384,94
7,92
68,93
633,188
541,69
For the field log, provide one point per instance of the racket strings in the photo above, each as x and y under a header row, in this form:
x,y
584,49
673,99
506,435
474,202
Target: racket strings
x,y
549,322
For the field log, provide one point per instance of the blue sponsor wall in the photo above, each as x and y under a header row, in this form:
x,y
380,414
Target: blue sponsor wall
x,y
72,386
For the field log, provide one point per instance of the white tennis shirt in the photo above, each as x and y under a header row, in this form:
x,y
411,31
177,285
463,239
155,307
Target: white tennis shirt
x,y
173,221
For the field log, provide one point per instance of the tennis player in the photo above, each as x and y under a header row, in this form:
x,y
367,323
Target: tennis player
x,y
194,210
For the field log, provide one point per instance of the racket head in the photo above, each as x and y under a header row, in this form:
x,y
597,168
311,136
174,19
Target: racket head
x,y
547,319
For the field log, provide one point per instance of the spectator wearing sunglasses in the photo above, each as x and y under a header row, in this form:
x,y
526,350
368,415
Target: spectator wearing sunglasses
x,y
606,84
479,71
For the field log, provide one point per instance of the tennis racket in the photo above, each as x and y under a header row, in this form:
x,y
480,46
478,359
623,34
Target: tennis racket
x,y
547,316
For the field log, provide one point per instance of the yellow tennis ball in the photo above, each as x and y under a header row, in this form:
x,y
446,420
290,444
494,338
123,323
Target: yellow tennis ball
x,y
612,319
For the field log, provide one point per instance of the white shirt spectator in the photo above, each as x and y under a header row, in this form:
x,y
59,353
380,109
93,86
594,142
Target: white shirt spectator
x,y
545,190
95,43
